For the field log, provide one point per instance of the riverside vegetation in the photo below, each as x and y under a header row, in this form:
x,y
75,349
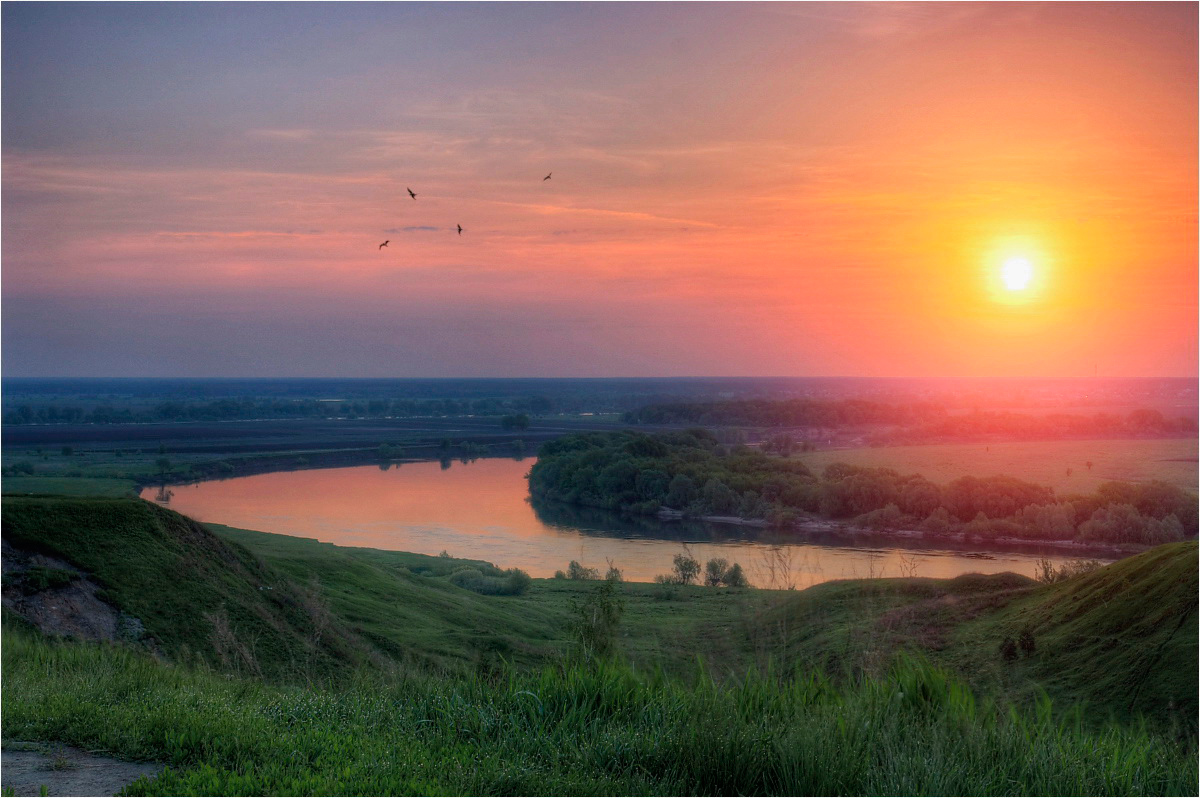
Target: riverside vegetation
x,y
288,666
692,472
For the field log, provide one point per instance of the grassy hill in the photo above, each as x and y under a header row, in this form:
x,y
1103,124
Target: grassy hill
x,y
1121,640
198,595
301,667
286,607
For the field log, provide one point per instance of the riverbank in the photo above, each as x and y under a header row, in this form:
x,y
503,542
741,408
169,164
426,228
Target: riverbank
x,y
821,529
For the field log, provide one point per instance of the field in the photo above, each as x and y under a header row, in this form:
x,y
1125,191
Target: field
x,y
1172,460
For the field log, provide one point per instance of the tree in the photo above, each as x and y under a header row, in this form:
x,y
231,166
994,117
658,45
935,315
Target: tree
x,y
681,492
687,567
67,451
163,464
715,570
518,421
577,571
596,620
735,577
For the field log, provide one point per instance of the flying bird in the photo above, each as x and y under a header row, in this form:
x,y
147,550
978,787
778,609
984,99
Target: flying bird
x,y
547,177
411,194
384,244
460,229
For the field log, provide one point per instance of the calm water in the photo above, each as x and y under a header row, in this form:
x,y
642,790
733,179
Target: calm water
x,y
480,511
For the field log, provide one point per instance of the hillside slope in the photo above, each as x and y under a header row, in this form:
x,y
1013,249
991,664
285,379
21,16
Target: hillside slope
x,y
197,595
1123,637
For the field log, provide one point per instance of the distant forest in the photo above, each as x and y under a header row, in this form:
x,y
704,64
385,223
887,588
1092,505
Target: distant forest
x,y
691,472
916,422
248,409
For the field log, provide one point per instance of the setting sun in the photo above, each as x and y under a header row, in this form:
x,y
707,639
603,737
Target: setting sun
x,y
1016,273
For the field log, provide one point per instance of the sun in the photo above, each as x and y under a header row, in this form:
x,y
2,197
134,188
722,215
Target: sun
x,y
1016,273
1017,270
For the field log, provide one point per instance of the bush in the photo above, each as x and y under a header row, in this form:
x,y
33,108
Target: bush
x,y
885,518
513,582
687,568
596,620
40,578
735,577
577,571
714,572
1122,523
1047,572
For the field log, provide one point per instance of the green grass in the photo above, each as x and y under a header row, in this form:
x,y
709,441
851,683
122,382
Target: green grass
x,y
399,602
196,594
1172,460
1121,640
294,608
286,607
370,673
576,730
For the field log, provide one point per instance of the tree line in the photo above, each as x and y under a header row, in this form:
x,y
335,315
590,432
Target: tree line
x,y
913,422
516,410
691,472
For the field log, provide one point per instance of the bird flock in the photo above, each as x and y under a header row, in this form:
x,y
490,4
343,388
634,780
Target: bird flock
x,y
459,227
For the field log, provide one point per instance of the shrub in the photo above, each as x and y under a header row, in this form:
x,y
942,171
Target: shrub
x,y
1048,573
513,582
735,577
714,572
596,620
577,571
1123,523
687,568
889,517
40,578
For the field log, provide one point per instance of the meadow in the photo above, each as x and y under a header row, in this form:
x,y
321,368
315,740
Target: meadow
x,y
288,666
1172,460
595,728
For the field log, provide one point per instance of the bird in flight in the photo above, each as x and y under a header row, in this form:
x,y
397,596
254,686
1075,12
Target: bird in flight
x,y
411,194
384,244
547,177
460,229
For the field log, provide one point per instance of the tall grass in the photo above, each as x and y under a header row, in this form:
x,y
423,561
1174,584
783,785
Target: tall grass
x,y
603,729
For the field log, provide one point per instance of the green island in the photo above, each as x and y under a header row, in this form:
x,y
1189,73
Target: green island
x,y
690,473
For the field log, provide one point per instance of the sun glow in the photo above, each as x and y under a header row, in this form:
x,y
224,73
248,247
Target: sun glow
x,y
1016,273
1018,269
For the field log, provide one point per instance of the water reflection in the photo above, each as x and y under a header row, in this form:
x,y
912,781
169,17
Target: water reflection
x,y
480,509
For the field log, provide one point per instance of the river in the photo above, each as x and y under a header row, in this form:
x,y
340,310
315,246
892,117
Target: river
x,y
481,510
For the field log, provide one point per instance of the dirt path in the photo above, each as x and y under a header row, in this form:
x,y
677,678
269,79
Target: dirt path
x,y
25,768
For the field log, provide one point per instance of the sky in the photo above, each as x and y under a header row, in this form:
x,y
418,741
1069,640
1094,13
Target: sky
x,y
741,189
